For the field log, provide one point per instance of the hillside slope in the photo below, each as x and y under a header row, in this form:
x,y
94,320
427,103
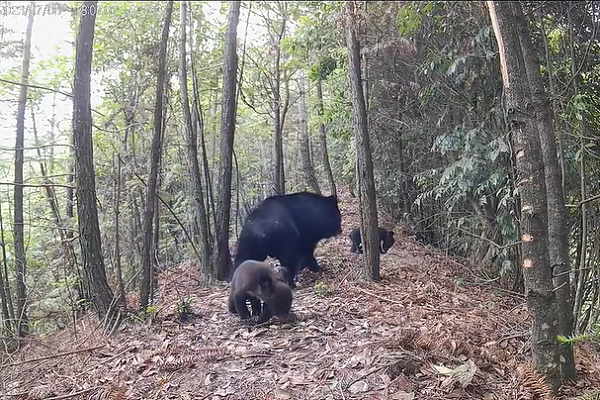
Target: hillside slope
x,y
397,339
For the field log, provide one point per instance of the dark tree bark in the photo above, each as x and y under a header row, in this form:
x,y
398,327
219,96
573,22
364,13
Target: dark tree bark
x,y
19,237
94,273
366,180
191,136
279,184
155,152
198,122
539,290
8,311
558,229
323,140
308,172
228,114
118,268
582,274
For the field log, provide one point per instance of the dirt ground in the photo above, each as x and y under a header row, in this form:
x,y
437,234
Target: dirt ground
x,y
430,329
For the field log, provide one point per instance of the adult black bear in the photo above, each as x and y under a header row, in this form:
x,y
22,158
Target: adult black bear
x,y
386,240
256,281
288,227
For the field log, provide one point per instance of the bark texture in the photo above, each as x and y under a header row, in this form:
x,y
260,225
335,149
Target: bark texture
x,y
19,235
557,212
539,290
94,274
228,114
155,153
323,140
308,172
364,164
191,138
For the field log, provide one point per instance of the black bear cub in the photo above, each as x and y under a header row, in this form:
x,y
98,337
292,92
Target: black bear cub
x,y
256,281
288,228
386,240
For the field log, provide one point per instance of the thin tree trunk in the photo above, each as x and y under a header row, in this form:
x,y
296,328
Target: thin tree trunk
x,y
366,180
557,212
539,290
191,137
66,244
155,153
279,186
7,308
308,171
228,114
135,237
19,237
323,140
6,283
215,124
117,205
582,275
94,273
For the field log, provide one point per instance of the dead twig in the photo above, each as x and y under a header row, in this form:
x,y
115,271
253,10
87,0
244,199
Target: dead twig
x,y
56,356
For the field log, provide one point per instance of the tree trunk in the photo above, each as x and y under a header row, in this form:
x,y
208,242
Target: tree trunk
x,y
65,240
582,274
279,184
191,136
118,268
7,309
19,236
557,212
308,171
198,121
94,273
366,180
323,140
539,290
228,114
155,152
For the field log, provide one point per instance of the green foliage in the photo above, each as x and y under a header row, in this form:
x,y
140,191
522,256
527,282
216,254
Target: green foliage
x,y
320,288
183,307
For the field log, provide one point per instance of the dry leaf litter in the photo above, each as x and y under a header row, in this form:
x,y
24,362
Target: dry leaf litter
x,y
431,329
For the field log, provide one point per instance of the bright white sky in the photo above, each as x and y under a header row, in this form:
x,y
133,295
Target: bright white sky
x,y
52,35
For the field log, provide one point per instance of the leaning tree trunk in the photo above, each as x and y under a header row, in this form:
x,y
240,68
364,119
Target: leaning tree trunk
x,y
19,236
323,140
191,136
308,172
537,271
557,212
155,152
364,164
94,273
228,113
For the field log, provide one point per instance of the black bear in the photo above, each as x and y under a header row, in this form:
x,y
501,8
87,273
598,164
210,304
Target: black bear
x,y
258,282
289,227
386,240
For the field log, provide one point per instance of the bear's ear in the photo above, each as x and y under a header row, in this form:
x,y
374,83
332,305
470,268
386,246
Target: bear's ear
x,y
333,198
284,274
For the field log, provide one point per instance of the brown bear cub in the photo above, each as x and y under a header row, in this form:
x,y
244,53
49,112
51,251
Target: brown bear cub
x,y
257,281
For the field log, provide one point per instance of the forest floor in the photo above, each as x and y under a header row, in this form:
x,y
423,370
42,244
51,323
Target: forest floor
x,y
431,329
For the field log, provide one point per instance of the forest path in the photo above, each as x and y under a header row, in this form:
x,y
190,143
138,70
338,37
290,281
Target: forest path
x,y
400,338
